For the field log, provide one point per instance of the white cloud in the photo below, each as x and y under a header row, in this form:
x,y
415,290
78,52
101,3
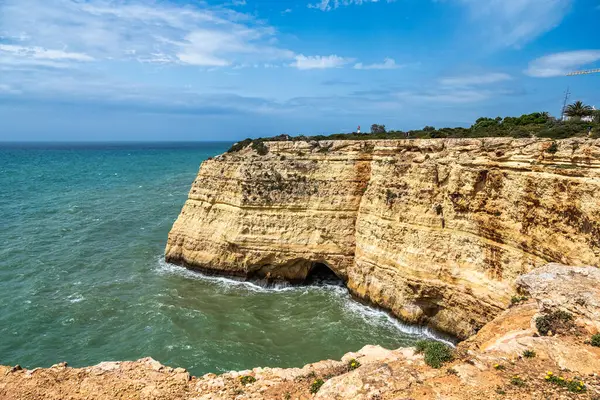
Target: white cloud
x,y
475,79
327,5
319,62
388,63
161,32
517,22
39,53
560,64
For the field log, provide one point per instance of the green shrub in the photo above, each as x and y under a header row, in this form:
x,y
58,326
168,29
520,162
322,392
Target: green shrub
x,y
353,364
260,147
247,379
239,145
529,354
499,367
518,299
595,340
517,381
576,386
421,345
435,353
552,149
555,321
316,385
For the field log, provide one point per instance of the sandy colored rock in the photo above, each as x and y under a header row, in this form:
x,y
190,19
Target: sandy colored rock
x,y
570,289
436,231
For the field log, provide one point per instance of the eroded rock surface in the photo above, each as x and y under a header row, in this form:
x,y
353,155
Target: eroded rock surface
x,y
485,366
436,231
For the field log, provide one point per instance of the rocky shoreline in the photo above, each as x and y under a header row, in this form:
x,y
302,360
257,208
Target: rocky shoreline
x,y
509,358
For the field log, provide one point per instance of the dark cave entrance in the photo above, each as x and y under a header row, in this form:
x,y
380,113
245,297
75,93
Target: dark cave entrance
x,y
321,274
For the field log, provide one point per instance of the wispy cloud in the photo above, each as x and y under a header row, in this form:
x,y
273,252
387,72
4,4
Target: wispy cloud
x,y
560,64
319,62
327,5
41,53
475,79
506,23
516,22
75,31
388,63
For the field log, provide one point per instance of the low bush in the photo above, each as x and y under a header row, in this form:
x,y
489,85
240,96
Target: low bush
x,y
517,381
435,353
529,354
595,340
518,299
239,145
554,322
247,379
260,147
552,149
316,385
353,364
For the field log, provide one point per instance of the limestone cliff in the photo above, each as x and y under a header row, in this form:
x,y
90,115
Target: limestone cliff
x,y
436,231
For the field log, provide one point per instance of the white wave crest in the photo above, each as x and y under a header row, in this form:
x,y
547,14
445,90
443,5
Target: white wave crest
x,y
370,315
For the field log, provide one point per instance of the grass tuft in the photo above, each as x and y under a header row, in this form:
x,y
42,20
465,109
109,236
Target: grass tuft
x,y
436,354
316,385
247,379
529,354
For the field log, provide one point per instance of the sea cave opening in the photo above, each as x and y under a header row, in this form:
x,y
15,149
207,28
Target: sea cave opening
x,y
321,274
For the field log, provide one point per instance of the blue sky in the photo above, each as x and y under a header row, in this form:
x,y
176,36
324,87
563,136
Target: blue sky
x,y
213,70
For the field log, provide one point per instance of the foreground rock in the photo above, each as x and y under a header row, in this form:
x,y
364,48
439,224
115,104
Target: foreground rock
x,y
490,365
436,231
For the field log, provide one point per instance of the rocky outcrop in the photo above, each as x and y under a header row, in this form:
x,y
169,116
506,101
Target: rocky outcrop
x,y
436,231
490,365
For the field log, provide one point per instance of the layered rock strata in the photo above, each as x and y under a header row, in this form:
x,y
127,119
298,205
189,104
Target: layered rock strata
x,y
436,231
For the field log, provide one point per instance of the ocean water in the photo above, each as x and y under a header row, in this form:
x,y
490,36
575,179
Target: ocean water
x,y
82,276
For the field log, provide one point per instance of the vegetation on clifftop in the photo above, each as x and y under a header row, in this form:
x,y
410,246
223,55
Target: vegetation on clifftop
x,y
435,353
538,124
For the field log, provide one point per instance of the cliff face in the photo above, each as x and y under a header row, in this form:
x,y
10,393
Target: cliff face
x,y
436,231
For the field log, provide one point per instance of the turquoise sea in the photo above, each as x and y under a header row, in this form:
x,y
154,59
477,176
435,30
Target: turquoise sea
x,y
82,276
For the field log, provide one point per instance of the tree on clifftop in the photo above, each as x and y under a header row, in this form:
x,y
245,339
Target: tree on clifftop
x,y
377,128
578,109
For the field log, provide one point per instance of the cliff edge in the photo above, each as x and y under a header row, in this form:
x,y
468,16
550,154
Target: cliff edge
x,y
436,231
